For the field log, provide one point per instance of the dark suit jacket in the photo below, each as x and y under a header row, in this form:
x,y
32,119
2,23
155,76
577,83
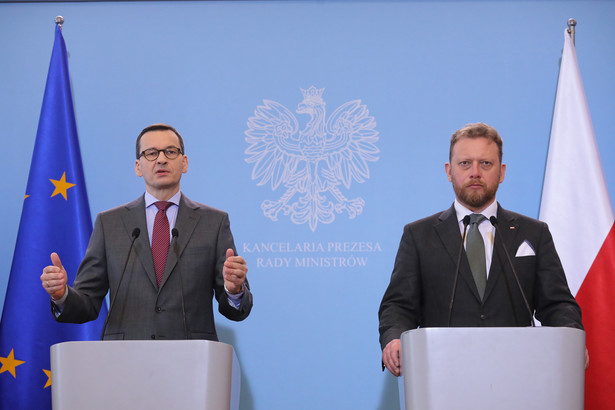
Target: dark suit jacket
x,y
142,310
422,280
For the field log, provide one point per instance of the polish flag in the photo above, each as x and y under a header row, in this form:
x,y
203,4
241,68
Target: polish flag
x,y
576,205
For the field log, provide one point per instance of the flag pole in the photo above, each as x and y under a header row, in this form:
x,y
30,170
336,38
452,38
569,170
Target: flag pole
x,y
571,24
60,20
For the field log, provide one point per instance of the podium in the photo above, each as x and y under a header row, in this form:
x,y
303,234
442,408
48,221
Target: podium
x,y
493,368
156,374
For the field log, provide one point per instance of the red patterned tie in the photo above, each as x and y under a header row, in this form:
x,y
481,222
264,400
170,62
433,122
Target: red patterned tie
x,y
160,238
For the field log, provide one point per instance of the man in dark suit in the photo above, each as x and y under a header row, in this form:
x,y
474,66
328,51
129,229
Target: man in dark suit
x,y
422,281
183,257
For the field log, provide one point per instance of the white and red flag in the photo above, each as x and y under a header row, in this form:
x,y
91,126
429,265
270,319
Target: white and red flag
x,y
576,205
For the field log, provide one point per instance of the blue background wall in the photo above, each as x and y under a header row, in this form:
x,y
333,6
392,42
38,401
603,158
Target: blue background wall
x,y
423,69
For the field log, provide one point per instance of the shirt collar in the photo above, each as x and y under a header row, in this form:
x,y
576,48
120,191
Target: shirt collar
x,y
488,212
150,199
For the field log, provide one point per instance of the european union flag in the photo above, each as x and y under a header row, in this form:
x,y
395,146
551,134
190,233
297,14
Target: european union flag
x,y
55,218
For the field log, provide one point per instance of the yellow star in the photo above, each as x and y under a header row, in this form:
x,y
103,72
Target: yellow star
x,y
26,196
61,186
9,364
48,373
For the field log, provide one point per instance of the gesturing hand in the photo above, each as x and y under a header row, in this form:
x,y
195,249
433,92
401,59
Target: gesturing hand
x,y
54,278
235,271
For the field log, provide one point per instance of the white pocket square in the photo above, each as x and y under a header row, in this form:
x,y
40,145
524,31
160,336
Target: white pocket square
x,y
525,250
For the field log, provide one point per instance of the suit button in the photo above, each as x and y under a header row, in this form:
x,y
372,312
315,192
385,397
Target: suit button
x,y
153,336
483,317
158,309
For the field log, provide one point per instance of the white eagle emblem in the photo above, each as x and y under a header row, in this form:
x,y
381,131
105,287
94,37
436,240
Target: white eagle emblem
x,y
311,163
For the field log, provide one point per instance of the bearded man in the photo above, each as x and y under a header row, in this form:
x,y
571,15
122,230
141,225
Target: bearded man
x,y
486,293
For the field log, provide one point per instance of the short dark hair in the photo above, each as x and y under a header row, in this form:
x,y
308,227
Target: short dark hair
x,y
477,130
159,127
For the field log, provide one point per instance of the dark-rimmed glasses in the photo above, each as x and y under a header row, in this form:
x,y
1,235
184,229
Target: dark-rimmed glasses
x,y
151,154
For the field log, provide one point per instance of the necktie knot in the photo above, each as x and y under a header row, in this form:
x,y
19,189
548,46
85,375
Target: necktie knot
x,y
477,218
163,205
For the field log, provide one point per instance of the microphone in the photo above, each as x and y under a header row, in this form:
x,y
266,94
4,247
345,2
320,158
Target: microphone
x,y
135,234
466,222
175,235
494,222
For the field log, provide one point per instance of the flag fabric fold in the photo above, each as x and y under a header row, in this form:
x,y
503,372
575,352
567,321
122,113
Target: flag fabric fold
x,y
55,218
576,205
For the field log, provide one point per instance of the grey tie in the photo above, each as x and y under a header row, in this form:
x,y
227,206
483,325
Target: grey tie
x,y
475,249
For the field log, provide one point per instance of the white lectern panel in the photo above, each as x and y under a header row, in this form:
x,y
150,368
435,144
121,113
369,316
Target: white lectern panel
x,y
157,374
538,368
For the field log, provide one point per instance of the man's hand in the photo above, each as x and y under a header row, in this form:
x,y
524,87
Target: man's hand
x,y
54,278
235,270
391,357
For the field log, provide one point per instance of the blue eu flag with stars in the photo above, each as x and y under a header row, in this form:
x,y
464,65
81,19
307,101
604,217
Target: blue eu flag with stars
x,y
55,218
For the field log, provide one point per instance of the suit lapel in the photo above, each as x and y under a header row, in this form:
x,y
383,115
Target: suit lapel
x,y
508,228
448,231
185,224
135,218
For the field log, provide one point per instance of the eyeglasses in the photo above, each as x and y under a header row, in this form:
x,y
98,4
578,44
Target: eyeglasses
x,y
151,154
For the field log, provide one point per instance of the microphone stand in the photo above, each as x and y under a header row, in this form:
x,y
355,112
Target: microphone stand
x,y
466,222
175,234
494,222
135,234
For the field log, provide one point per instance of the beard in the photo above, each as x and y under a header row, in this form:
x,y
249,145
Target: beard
x,y
475,199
